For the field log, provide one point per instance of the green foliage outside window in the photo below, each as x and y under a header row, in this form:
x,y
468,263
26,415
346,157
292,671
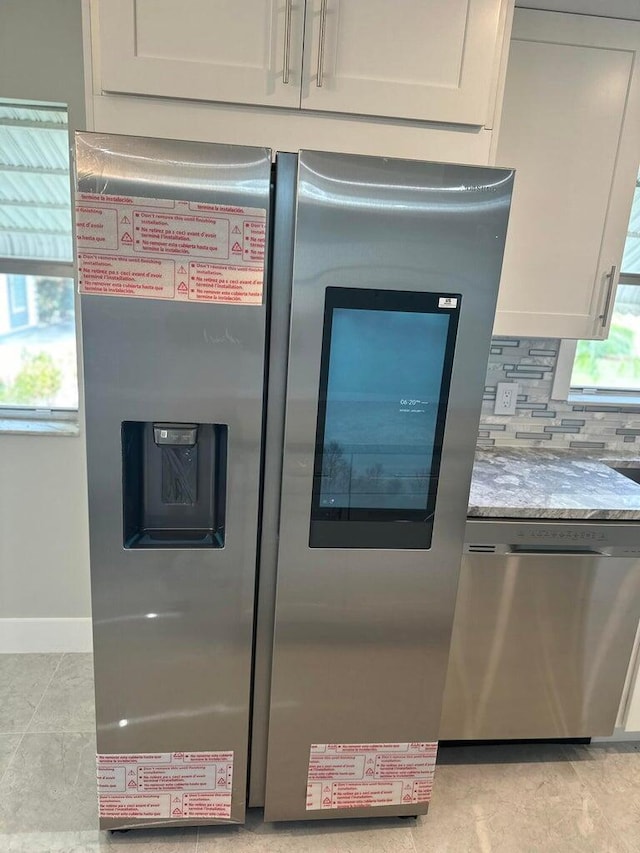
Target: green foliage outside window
x,y
614,363
36,383
54,300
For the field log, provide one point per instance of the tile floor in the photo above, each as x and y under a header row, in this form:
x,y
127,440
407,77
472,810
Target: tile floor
x,y
501,799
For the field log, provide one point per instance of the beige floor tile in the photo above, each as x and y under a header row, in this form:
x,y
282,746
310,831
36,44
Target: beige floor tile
x,y
8,746
68,702
139,841
364,836
23,681
179,840
612,774
50,785
48,842
525,799
231,839
610,767
339,836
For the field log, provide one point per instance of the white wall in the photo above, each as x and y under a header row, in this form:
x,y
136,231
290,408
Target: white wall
x,y
44,562
44,568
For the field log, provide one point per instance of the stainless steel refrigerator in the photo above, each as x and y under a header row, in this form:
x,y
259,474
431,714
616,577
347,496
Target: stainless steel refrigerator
x,y
284,361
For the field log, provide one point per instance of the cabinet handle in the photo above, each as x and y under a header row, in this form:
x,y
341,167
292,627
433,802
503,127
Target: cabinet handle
x,y
323,24
287,42
604,317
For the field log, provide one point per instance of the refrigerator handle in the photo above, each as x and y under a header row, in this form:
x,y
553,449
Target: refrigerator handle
x,y
286,62
323,26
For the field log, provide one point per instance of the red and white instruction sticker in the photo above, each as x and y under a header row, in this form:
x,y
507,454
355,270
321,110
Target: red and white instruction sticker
x,y
363,775
185,251
165,785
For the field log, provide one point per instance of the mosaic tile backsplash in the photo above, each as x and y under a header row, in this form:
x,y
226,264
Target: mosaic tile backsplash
x,y
540,421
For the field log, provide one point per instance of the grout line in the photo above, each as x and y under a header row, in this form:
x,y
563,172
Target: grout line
x,y
35,711
75,731
22,734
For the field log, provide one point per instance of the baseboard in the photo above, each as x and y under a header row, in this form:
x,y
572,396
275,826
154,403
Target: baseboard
x,y
45,635
617,736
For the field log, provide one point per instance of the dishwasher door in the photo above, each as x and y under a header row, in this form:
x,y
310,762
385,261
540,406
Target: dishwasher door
x,y
541,645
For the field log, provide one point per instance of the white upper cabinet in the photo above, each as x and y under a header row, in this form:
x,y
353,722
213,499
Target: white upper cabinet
x,y
571,128
245,52
435,60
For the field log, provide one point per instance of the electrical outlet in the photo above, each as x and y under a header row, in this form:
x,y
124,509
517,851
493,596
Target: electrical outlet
x,y
506,398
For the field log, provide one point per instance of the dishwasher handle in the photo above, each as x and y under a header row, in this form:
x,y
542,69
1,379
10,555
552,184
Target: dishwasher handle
x,y
533,551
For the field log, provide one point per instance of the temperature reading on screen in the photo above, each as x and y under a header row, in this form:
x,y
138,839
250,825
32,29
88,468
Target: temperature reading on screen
x,y
413,405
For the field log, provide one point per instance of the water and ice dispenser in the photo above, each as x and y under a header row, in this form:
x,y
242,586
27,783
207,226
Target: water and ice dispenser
x,y
174,484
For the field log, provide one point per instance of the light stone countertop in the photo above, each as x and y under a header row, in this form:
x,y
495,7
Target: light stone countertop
x,y
538,483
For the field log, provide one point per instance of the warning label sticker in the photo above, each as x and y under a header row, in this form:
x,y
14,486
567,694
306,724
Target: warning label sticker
x,y
165,785
362,775
164,249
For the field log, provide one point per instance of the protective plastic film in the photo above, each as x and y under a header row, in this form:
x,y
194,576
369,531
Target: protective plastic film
x,y
170,248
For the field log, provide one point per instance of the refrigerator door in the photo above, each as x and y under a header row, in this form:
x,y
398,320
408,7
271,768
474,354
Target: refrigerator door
x,y
396,273
174,402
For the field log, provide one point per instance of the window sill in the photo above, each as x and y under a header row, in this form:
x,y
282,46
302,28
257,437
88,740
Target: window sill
x,y
36,426
626,400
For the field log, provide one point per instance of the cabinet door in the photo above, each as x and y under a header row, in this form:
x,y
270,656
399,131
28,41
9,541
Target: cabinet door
x,y
571,128
629,713
434,60
213,50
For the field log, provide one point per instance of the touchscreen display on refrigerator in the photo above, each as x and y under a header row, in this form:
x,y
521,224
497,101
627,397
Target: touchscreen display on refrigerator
x,y
385,373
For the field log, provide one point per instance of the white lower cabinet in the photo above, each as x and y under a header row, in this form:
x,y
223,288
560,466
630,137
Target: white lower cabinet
x,y
629,717
571,128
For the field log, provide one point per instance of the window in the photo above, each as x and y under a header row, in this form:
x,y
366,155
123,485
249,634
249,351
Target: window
x,y
38,367
611,368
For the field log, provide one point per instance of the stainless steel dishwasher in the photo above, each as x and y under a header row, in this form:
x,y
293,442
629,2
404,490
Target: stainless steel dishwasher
x,y
545,621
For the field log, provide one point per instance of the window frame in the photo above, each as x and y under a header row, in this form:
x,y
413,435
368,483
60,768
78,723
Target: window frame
x,y
562,389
